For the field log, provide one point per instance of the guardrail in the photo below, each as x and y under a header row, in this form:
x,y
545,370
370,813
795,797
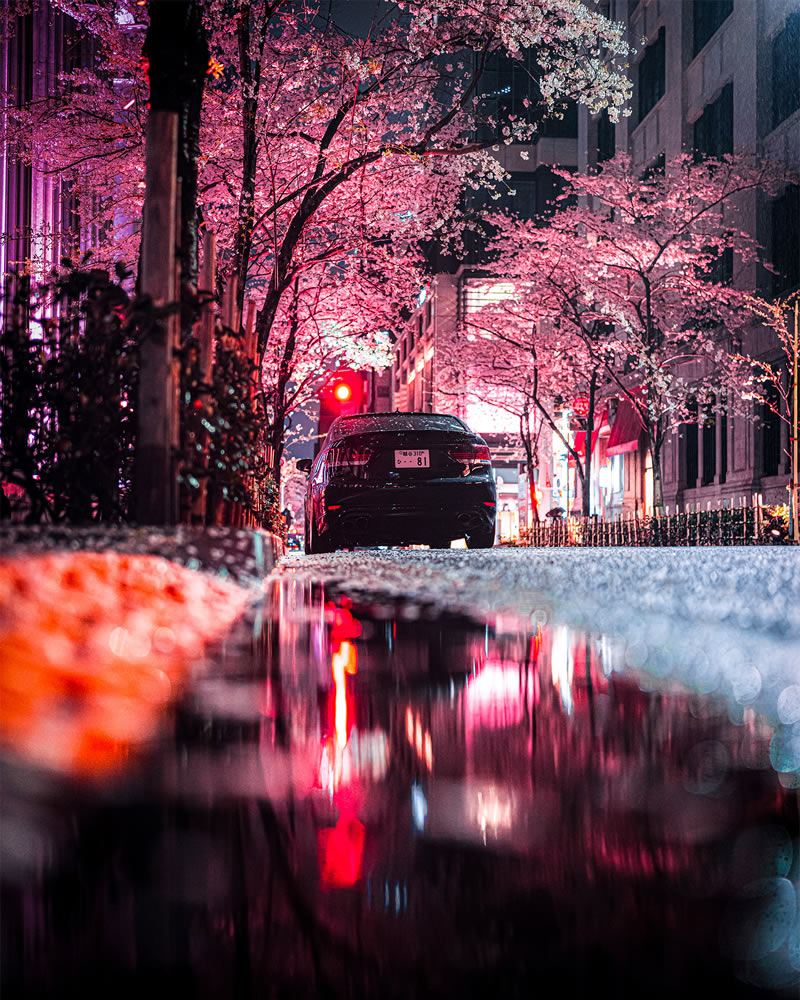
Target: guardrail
x,y
745,524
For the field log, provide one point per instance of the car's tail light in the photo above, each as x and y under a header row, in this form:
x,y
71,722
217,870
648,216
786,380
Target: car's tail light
x,y
348,458
477,454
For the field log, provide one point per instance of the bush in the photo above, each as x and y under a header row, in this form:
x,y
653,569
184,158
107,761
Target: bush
x,y
222,436
69,366
69,370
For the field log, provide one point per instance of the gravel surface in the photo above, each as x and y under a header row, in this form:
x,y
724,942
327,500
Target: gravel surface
x,y
718,620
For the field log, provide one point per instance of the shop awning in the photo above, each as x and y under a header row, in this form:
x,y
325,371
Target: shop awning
x,y
627,428
580,445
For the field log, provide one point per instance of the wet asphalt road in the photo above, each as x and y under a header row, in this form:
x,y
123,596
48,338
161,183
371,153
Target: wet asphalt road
x,y
396,780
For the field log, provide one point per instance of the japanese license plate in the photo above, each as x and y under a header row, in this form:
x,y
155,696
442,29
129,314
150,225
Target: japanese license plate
x,y
412,458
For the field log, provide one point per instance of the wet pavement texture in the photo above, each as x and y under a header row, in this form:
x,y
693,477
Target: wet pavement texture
x,y
360,798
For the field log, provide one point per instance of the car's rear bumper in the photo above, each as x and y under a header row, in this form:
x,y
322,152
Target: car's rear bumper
x,y
426,511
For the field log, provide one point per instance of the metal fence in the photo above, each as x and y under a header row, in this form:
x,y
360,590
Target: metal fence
x,y
725,524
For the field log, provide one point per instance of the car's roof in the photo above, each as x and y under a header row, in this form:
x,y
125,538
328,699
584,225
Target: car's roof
x,y
399,413
396,420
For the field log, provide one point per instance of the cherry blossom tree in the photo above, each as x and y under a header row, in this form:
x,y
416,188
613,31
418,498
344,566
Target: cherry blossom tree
x,y
295,108
337,317
642,258
776,387
381,129
354,106
87,131
473,368
532,352
313,141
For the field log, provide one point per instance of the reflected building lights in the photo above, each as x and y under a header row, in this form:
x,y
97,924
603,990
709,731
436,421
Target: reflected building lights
x,y
561,663
419,738
493,811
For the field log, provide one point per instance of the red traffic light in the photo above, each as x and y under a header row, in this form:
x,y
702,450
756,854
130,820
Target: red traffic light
x,y
342,394
343,391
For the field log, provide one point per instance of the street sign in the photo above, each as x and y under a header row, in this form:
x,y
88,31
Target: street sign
x,y
580,406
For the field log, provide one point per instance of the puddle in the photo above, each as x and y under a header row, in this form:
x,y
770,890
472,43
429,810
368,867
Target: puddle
x,y
378,800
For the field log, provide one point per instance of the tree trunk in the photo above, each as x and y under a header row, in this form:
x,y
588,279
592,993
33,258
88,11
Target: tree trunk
x,y
525,435
279,407
586,491
251,83
157,405
654,447
655,440
177,51
276,441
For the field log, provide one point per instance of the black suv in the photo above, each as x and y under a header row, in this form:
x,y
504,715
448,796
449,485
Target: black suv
x,y
399,479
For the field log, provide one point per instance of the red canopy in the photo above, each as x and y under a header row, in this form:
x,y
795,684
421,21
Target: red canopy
x,y
626,431
580,445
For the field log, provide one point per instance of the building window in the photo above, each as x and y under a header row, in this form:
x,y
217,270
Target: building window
x,y
770,433
721,272
652,75
479,292
606,138
507,86
713,130
786,70
708,15
786,241
690,437
709,442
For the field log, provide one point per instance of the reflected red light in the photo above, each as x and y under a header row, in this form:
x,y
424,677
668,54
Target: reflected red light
x,y
343,624
341,853
344,661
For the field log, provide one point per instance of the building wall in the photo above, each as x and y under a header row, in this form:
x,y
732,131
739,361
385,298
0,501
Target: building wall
x,y
38,216
739,53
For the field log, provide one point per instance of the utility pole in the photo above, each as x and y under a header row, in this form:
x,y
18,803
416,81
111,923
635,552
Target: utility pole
x,y
176,48
158,403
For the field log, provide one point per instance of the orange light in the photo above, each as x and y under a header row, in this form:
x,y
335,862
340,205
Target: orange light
x,y
344,661
343,392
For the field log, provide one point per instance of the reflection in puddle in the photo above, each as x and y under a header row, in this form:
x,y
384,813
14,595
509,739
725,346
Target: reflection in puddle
x,y
361,801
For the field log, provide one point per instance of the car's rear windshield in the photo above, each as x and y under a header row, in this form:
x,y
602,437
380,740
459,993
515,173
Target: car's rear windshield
x,y
367,423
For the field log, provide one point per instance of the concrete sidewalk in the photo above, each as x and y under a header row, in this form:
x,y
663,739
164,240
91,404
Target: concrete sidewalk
x,y
242,555
102,629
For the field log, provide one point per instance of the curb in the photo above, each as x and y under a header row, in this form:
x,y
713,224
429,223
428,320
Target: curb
x,y
243,555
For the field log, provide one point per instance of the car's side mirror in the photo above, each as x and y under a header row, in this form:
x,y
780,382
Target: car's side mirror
x,y
304,464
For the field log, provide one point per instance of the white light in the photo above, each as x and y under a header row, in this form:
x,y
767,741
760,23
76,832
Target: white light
x,y
483,293
419,807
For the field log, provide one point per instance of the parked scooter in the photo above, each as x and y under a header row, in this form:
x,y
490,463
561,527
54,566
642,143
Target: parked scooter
x,y
776,532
